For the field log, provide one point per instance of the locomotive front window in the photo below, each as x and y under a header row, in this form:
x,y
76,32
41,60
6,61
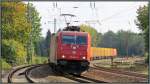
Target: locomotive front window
x,y
81,40
68,39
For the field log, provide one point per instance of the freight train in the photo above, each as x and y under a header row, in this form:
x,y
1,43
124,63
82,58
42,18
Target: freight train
x,y
102,53
70,50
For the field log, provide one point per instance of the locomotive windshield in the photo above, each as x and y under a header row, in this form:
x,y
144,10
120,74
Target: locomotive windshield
x,y
81,40
68,39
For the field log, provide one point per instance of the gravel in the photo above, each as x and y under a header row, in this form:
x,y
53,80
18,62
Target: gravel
x,y
44,74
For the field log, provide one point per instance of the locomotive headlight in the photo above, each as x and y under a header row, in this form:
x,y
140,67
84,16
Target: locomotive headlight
x,y
63,56
83,57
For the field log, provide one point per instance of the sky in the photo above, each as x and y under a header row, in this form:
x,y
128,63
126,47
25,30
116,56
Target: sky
x,y
105,16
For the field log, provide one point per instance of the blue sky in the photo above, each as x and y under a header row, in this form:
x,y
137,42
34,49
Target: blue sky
x,y
111,15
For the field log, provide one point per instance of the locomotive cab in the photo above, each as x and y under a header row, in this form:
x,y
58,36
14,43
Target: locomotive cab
x,y
73,50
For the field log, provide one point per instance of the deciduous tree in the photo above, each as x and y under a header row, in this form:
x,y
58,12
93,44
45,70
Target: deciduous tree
x,y
143,24
92,32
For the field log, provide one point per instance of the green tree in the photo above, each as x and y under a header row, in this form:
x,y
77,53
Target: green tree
x,y
92,32
15,31
14,23
127,43
47,42
43,47
13,52
17,26
143,24
34,19
130,43
40,48
99,39
123,41
109,40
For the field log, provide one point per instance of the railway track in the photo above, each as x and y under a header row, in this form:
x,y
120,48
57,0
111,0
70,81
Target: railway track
x,y
135,77
80,79
121,72
24,71
92,76
27,72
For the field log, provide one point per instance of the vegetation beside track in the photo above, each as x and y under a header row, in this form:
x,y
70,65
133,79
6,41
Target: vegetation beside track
x,y
35,60
39,60
129,65
5,65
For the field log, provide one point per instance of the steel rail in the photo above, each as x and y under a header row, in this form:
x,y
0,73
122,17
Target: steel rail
x,y
27,71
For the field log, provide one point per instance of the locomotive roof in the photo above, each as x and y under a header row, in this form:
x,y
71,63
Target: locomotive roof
x,y
74,32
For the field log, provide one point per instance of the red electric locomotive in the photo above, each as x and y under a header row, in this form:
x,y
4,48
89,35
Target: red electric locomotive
x,y
70,51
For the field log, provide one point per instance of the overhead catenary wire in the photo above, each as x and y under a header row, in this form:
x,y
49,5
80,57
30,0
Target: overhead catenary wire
x,y
94,8
116,14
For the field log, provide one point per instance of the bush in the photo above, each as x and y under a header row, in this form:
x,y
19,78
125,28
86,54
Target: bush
x,y
39,60
13,52
146,58
5,65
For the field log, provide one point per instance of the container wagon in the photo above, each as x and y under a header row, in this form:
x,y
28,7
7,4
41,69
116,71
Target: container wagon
x,y
100,53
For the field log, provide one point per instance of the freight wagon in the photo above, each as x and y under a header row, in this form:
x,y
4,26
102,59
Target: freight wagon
x,y
100,53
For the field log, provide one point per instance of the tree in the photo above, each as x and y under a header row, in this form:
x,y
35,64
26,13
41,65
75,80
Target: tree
x,y
130,43
127,43
143,23
17,26
109,40
13,52
47,42
14,23
40,48
92,32
99,39
34,19
15,31
123,41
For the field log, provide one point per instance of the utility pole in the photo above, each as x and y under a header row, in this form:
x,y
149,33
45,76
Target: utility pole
x,y
92,5
127,44
55,7
55,25
127,39
94,14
